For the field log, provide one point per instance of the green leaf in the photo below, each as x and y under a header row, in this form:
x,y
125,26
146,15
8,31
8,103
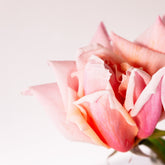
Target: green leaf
x,y
157,145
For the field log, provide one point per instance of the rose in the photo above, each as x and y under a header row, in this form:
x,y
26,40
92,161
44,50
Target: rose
x,y
101,99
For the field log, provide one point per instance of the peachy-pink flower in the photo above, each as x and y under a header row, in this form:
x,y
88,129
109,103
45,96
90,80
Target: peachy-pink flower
x,y
113,93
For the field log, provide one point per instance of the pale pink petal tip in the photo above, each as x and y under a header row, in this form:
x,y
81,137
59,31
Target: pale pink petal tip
x,y
101,36
152,37
27,92
163,19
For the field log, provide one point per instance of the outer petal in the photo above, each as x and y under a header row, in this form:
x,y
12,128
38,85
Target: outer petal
x,y
137,82
49,95
153,36
80,118
148,107
63,71
110,118
137,55
101,36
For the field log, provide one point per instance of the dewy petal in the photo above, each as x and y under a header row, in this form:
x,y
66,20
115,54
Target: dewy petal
x,y
63,71
138,80
80,119
110,118
148,107
50,97
153,37
137,55
96,76
101,36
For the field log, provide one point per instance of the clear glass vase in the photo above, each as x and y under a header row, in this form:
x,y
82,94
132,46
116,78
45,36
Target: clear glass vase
x,y
132,159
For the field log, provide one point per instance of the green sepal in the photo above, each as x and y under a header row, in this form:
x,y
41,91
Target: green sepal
x,y
157,133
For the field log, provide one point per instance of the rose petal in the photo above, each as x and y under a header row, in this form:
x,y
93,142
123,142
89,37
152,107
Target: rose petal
x,y
138,80
82,60
63,71
124,79
99,45
162,117
163,92
101,36
133,54
50,97
110,118
100,51
96,76
115,81
123,85
80,119
148,107
153,36
163,19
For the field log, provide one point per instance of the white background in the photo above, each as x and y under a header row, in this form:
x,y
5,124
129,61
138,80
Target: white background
x,y
33,32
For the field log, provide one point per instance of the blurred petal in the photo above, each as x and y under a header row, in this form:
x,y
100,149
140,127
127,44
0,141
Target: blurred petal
x,y
148,107
63,71
153,36
137,82
162,117
163,19
137,55
50,97
110,118
101,36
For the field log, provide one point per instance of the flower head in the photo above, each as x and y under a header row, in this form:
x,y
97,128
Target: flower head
x,y
113,93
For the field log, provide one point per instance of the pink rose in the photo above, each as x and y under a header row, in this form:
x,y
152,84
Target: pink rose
x,y
100,98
